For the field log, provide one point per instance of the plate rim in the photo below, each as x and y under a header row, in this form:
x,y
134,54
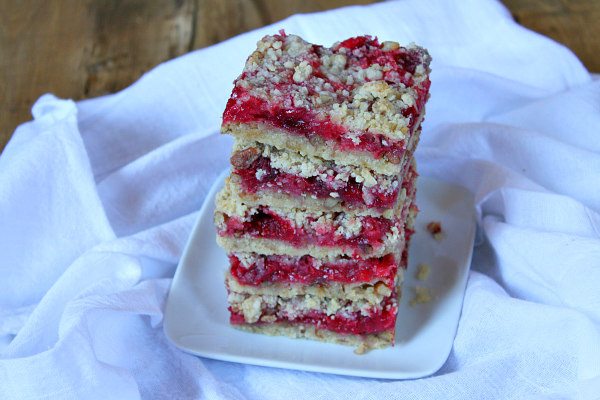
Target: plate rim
x,y
169,324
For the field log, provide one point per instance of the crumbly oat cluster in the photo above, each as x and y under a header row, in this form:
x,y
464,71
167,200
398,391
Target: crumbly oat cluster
x,y
318,210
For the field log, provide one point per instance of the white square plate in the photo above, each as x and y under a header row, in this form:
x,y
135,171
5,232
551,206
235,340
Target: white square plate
x,y
197,320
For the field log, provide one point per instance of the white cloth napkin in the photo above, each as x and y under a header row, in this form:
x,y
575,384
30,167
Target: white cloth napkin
x,y
98,197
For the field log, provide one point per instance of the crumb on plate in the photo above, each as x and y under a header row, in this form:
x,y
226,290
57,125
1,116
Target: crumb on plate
x,y
422,296
423,271
435,229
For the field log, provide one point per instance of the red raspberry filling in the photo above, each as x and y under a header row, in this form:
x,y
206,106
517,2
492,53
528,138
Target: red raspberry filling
x,y
242,107
306,270
269,225
356,324
274,180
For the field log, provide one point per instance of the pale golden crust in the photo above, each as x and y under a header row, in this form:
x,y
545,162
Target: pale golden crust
x,y
363,343
281,139
373,292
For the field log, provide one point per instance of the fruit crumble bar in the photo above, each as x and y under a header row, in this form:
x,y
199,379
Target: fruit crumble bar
x,y
286,178
356,103
318,211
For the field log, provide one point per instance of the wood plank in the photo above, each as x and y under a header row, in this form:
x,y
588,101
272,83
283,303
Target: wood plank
x,y
130,37
78,49
574,23
33,37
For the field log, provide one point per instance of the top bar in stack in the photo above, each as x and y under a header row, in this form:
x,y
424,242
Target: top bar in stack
x,y
357,103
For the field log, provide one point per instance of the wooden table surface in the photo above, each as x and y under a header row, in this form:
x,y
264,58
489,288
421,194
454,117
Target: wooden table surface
x,y
85,48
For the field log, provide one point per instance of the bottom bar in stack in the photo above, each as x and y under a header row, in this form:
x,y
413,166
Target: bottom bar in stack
x,y
356,309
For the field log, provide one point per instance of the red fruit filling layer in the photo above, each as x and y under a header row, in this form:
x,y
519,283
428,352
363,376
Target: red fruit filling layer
x,y
351,194
268,225
356,324
309,271
242,107
398,64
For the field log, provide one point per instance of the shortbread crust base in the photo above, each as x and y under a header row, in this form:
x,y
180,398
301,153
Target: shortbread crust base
x,y
363,343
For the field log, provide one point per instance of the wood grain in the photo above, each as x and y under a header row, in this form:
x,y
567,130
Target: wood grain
x,y
84,48
220,20
574,23
78,49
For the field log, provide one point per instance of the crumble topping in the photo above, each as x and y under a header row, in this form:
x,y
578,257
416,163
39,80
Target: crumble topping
x,y
376,107
393,235
302,72
373,291
251,308
349,226
260,174
249,259
359,83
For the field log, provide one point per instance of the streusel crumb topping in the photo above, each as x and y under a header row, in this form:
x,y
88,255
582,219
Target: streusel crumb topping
x,y
360,84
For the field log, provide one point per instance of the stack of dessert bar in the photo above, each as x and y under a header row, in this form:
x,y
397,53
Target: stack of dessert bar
x,y
317,213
